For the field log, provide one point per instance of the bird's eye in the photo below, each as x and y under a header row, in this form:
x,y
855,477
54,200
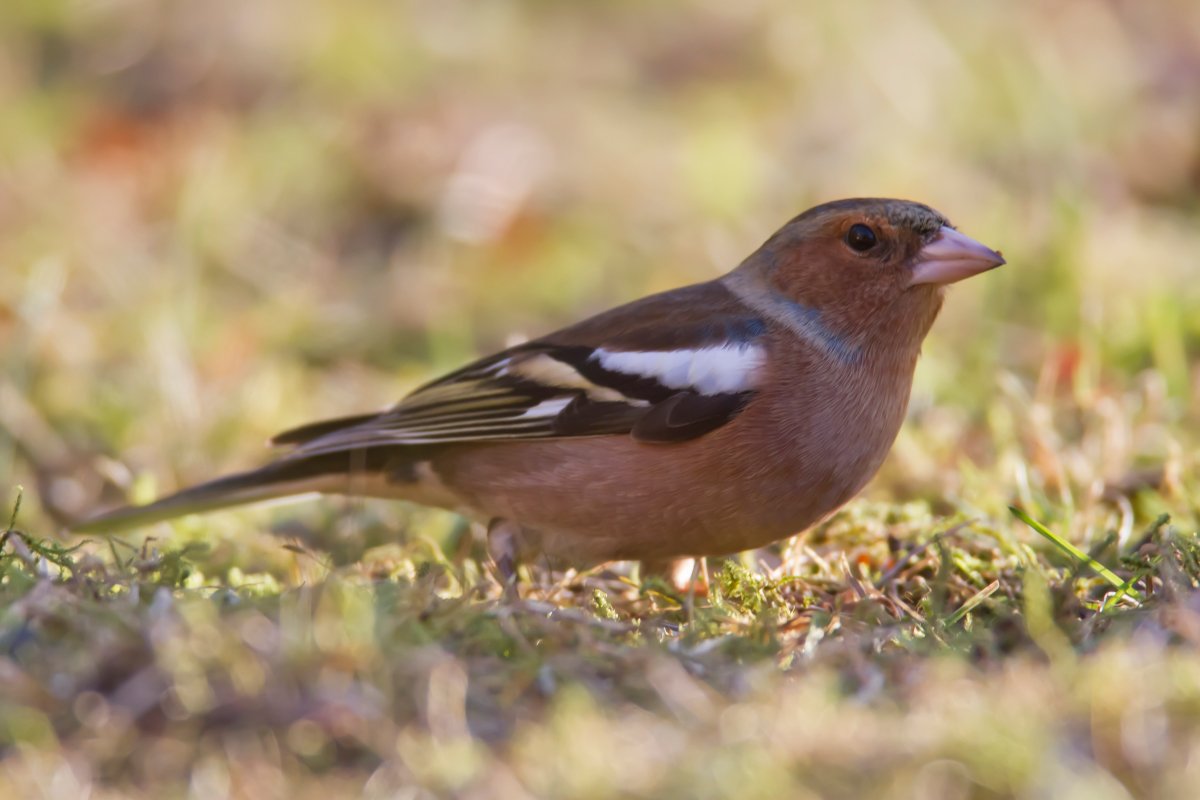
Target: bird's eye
x,y
860,237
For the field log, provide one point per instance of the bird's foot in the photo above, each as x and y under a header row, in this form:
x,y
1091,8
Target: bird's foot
x,y
503,539
679,573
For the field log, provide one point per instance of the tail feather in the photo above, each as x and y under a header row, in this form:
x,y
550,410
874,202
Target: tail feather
x,y
288,477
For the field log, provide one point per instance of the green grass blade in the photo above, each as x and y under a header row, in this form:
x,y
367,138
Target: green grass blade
x,y
975,600
1075,552
12,523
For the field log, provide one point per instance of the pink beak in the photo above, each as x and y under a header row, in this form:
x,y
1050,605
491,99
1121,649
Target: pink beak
x,y
952,257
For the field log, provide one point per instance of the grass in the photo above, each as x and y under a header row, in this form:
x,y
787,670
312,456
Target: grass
x,y
127,668
219,220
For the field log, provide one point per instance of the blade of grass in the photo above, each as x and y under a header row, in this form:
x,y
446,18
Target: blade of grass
x,y
974,600
12,522
1075,552
1122,590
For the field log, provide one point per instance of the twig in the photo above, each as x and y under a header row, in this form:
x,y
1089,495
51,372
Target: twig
x,y
854,582
916,551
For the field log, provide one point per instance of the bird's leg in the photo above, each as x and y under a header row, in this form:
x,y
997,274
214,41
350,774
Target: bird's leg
x,y
503,541
691,592
675,571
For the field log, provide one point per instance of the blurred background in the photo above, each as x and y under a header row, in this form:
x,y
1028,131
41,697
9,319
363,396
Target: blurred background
x,y
220,219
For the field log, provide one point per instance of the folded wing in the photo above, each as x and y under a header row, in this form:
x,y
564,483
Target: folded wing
x,y
688,375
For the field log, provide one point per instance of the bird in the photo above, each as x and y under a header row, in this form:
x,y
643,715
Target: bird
x,y
706,420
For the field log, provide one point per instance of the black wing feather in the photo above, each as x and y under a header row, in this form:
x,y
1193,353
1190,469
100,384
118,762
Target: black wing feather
x,y
315,430
584,417
688,415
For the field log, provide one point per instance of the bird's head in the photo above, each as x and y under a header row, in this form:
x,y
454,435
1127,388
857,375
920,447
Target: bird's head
x,y
864,267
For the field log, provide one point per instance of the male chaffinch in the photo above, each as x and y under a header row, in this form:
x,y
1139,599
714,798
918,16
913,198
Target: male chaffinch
x,y
705,420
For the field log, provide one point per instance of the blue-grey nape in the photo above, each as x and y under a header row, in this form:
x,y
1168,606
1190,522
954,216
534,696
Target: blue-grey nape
x,y
808,323
739,331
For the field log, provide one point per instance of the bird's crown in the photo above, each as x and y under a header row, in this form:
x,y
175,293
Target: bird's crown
x,y
903,214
